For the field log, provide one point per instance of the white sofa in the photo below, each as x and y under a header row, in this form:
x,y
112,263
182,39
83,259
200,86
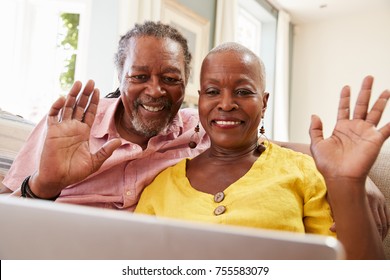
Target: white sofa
x,y
380,175
14,131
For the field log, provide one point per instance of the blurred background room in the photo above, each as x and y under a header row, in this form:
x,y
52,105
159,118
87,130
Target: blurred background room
x,y
311,48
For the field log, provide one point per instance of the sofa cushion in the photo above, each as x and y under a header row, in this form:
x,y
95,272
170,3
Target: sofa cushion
x,y
380,175
14,131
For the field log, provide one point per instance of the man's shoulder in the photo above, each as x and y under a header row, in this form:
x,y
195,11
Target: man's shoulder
x,y
106,106
189,117
107,102
188,113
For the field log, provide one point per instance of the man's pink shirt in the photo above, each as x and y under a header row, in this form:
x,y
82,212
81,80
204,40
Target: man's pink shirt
x,y
119,182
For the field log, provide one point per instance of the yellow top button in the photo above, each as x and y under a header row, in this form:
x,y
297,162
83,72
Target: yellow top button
x,y
219,196
219,210
128,193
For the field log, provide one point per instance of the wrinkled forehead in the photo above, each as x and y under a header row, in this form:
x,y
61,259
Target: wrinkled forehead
x,y
149,48
152,45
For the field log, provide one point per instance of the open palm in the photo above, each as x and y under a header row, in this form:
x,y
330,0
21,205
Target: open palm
x,y
355,143
66,157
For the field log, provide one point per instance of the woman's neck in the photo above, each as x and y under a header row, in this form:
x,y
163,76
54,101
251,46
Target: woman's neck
x,y
216,169
220,154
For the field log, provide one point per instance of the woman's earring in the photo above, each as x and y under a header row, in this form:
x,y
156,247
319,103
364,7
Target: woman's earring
x,y
260,142
194,138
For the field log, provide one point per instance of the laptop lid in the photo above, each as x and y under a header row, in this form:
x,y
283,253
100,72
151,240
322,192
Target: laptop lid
x,y
37,229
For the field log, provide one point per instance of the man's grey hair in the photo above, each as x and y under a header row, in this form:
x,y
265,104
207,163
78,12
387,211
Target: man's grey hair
x,y
157,30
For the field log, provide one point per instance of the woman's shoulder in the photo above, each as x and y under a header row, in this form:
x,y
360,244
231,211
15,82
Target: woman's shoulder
x,y
289,153
293,160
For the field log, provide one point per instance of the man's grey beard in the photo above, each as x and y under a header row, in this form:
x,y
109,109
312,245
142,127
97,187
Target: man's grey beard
x,y
152,127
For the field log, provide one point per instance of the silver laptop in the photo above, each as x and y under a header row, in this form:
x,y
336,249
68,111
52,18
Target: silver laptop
x,y
37,229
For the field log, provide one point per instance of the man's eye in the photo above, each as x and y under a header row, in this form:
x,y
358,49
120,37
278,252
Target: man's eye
x,y
171,80
139,77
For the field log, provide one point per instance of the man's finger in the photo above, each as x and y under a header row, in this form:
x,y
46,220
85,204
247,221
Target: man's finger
x,y
55,110
105,152
90,113
71,98
82,101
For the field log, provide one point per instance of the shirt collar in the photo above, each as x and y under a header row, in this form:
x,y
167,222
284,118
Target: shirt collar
x,y
105,118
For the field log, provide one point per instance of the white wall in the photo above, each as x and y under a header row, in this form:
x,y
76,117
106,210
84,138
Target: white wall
x,y
328,55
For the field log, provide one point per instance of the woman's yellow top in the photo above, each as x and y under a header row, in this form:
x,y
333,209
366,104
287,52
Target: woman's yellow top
x,y
282,191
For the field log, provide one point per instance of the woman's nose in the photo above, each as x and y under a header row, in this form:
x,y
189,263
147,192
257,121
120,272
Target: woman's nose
x,y
227,102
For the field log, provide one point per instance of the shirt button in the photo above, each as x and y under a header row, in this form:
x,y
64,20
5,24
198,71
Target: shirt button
x,y
218,197
219,210
128,193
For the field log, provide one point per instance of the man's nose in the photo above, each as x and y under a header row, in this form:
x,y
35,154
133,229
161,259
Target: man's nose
x,y
155,87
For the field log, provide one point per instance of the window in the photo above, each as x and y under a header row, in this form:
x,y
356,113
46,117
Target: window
x,y
67,46
44,53
248,30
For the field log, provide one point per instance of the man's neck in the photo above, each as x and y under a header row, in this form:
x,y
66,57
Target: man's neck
x,y
129,134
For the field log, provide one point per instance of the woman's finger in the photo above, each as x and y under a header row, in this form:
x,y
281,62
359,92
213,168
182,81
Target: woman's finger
x,y
375,114
344,110
363,99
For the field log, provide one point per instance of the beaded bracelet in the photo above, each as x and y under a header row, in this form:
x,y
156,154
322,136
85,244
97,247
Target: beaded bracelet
x,y
27,192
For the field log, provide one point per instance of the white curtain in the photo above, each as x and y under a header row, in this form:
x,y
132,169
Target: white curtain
x,y
281,101
225,25
137,11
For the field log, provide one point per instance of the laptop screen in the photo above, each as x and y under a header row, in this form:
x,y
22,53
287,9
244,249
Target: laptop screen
x,y
37,229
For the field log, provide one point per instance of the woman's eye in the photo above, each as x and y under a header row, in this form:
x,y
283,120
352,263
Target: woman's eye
x,y
212,92
243,92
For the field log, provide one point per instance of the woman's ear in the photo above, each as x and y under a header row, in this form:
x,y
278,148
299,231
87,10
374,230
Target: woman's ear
x,y
265,101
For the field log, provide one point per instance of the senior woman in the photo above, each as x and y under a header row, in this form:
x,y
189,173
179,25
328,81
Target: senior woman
x,y
238,182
